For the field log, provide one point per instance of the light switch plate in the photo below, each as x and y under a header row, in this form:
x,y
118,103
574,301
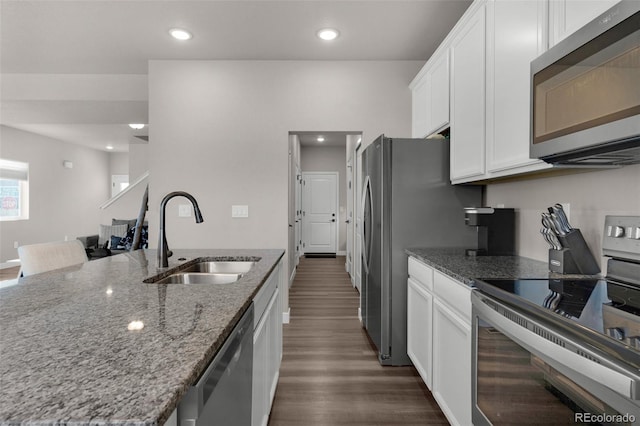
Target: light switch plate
x,y
239,211
184,210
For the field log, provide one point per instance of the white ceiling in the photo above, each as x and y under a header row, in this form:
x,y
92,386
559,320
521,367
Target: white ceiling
x,y
48,45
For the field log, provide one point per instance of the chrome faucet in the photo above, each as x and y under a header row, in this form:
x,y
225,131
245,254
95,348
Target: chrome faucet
x,y
163,248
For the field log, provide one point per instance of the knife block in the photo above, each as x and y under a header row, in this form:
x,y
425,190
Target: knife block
x,y
575,256
561,261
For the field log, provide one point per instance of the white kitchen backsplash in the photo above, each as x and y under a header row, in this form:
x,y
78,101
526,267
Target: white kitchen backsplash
x,y
591,195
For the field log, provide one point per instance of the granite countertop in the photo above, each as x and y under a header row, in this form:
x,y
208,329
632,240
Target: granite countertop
x,y
67,356
454,263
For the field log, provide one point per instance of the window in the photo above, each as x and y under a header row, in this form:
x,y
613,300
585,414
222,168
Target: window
x,y
14,190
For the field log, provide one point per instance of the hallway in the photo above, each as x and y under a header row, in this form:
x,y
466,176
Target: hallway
x,y
330,374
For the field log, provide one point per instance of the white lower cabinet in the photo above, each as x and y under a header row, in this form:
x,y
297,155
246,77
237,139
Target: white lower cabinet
x,y
439,338
452,364
267,347
419,336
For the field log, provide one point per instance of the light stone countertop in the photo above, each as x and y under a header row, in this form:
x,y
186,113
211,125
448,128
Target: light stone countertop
x,y
68,358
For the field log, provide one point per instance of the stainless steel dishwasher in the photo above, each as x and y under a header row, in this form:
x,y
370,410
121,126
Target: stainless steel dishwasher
x,y
222,395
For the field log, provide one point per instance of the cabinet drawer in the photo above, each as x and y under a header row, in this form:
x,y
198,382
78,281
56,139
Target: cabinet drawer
x,y
455,294
421,272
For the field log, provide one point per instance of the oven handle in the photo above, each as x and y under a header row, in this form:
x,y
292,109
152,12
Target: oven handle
x,y
612,379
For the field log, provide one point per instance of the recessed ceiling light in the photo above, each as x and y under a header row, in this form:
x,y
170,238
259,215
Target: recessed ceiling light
x,y
136,126
328,34
180,34
109,147
320,139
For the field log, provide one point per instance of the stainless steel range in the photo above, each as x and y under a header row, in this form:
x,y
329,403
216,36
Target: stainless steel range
x,y
562,351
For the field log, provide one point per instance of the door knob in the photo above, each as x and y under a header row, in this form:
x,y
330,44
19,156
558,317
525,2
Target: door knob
x,y
333,220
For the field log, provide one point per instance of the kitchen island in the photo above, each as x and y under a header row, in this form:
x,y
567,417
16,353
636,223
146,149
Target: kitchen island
x,y
72,351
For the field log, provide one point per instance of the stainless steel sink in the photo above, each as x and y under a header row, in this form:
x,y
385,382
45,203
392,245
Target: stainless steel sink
x,y
200,278
207,271
221,267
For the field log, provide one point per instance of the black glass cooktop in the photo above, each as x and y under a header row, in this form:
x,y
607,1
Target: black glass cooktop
x,y
605,308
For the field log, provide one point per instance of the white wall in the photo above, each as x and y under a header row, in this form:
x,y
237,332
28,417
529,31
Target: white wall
x,y
330,159
220,130
138,160
62,202
119,163
591,195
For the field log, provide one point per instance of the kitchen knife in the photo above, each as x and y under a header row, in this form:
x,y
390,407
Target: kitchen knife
x,y
559,211
548,223
560,228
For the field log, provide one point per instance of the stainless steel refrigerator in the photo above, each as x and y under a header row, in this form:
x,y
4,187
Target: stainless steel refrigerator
x,y
408,202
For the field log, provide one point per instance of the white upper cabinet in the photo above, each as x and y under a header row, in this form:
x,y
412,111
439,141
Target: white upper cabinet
x,y
515,36
438,117
419,104
468,97
430,96
487,56
567,16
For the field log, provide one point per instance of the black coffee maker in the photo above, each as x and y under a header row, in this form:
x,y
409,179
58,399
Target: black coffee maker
x,y
496,230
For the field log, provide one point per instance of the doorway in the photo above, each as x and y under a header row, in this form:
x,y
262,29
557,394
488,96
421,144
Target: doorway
x,y
322,152
320,212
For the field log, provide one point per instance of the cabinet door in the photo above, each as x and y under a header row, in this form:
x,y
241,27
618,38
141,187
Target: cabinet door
x,y
468,98
567,16
452,364
438,111
419,329
515,36
274,347
420,103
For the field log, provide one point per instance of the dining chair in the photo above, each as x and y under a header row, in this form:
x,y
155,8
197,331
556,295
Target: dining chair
x,y
37,258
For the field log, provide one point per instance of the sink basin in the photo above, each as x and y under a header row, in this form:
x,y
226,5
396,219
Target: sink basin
x,y
200,278
207,271
221,267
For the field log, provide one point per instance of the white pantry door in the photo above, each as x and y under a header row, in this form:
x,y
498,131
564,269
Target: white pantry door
x,y
319,212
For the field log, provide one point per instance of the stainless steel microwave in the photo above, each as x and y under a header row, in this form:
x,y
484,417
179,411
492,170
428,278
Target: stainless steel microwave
x,y
585,93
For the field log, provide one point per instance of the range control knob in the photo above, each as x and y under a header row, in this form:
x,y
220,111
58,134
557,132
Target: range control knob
x,y
618,232
636,233
616,332
634,341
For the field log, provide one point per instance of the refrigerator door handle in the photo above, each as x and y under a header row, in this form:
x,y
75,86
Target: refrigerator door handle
x,y
366,239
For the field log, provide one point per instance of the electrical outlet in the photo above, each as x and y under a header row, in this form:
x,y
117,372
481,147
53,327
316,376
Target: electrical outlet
x,y
15,244
239,211
184,210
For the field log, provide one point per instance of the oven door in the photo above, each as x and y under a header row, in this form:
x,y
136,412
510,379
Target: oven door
x,y
525,372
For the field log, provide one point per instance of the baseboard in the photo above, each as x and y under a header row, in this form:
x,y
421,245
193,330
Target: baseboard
x,y
292,277
341,253
10,264
360,314
286,316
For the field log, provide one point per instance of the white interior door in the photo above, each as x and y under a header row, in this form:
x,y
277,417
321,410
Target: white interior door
x,y
118,183
357,258
298,224
319,212
349,262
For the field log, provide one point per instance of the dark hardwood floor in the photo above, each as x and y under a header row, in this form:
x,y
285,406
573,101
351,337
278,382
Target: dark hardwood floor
x,y
330,374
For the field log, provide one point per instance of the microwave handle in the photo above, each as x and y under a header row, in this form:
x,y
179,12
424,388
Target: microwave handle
x,y
612,379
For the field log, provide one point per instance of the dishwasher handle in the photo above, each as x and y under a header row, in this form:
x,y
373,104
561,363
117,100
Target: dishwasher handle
x,y
223,364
